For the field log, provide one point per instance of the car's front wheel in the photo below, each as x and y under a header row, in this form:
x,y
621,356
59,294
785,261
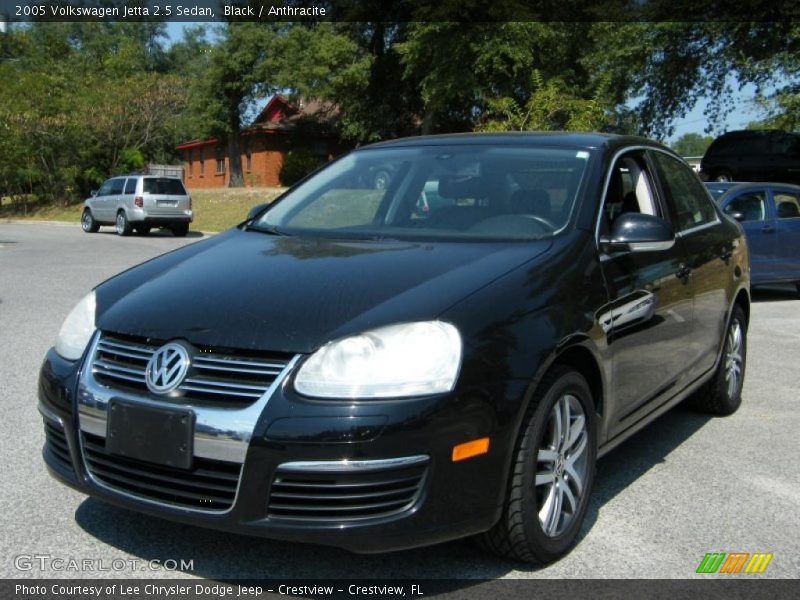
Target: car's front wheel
x,y
122,225
723,394
88,224
552,473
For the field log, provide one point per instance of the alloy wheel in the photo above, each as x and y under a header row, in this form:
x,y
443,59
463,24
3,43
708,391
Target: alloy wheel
x,y
86,221
121,225
561,466
733,358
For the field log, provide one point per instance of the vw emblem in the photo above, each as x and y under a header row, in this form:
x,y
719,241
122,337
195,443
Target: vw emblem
x,y
166,368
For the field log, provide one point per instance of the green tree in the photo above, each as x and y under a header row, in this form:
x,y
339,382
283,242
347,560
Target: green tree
x,y
241,71
692,144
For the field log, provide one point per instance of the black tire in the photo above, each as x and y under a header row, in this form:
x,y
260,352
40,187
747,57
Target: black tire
x,y
180,230
143,229
88,224
718,396
519,534
723,176
122,225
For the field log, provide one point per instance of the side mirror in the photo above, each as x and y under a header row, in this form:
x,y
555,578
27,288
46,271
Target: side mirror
x,y
93,193
637,232
255,211
736,215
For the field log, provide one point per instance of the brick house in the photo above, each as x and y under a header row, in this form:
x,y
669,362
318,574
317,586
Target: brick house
x,y
280,127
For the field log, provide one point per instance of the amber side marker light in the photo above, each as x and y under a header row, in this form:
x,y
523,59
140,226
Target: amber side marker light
x,y
470,449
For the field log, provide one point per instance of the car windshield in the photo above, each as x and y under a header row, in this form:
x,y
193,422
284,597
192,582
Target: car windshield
x,y
163,185
447,192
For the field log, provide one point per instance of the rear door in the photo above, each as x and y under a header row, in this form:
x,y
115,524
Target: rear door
x,y
164,196
648,320
129,193
787,234
114,197
708,249
757,219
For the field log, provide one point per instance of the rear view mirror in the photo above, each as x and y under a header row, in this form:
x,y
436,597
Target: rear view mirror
x,y
736,215
637,232
255,211
93,193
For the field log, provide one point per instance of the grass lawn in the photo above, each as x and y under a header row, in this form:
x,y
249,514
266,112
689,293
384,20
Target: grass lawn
x,y
214,210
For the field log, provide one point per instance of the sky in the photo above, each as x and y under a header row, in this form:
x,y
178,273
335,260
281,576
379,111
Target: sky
x,y
694,121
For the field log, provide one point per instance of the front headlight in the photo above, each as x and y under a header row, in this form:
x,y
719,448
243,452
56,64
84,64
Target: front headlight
x,y
410,359
77,329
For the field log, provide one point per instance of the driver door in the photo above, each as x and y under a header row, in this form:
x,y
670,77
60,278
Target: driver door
x,y
648,320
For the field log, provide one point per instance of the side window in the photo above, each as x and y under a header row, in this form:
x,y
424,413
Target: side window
x,y
751,205
130,186
786,205
683,189
105,189
116,186
786,144
630,189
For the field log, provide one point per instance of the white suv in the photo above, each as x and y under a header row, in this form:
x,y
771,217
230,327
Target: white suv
x,y
139,202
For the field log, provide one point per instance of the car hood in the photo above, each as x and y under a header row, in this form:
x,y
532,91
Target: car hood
x,y
249,290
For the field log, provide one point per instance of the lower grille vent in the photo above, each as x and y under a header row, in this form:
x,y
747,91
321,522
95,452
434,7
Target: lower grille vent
x,y
210,485
345,493
56,445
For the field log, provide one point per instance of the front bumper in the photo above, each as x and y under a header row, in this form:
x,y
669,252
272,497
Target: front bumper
x,y
453,500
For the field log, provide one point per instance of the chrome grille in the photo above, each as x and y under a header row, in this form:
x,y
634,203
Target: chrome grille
x,y
346,494
56,445
213,376
210,485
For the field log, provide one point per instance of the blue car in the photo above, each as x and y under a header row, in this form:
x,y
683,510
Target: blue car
x,y
770,215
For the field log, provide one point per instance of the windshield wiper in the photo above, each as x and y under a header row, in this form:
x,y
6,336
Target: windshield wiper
x,y
268,229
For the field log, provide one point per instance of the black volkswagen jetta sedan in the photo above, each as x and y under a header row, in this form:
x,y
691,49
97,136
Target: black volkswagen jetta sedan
x,y
344,369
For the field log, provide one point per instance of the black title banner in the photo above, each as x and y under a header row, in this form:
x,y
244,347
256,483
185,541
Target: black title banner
x,y
398,10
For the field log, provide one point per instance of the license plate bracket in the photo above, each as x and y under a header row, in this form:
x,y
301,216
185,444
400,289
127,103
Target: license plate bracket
x,y
164,436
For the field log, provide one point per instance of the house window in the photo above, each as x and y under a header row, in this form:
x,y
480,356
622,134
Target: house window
x,y
220,162
190,159
202,162
248,160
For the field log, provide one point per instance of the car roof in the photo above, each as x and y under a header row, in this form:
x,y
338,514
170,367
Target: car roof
x,y
556,139
742,186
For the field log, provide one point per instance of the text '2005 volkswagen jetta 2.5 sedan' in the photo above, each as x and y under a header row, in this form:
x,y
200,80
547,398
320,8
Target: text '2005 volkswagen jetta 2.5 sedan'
x,y
345,369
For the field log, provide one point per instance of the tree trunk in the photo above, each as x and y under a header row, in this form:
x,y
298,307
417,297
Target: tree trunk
x,y
428,120
235,152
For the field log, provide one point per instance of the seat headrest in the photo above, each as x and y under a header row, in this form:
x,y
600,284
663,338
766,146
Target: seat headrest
x,y
462,186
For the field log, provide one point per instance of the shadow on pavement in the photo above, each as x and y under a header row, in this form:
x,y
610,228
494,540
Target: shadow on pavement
x,y
155,233
218,555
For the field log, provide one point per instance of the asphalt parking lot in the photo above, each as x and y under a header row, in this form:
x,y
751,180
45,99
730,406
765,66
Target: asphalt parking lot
x,y
684,486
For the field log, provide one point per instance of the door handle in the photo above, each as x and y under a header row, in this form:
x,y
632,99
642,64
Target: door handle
x,y
768,229
726,255
683,274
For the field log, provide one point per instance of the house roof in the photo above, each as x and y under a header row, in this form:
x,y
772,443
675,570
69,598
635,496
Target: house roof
x,y
280,115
